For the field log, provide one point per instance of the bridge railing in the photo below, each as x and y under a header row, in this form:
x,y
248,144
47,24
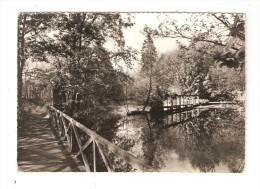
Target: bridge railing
x,y
73,133
182,101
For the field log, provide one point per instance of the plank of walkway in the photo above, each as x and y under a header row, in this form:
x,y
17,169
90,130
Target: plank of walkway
x,y
39,150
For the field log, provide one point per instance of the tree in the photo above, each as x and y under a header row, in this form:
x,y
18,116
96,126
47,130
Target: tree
x,y
86,50
182,71
36,82
226,84
209,38
85,64
148,60
31,27
212,28
191,70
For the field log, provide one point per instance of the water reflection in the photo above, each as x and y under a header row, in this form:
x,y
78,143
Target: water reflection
x,y
198,140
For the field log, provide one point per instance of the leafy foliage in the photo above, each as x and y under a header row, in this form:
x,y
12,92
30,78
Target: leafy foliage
x,y
224,30
85,65
149,54
31,26
148,60
86,72
210,38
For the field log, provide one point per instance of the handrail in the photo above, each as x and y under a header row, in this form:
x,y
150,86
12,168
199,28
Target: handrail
x,y
182,101
97,140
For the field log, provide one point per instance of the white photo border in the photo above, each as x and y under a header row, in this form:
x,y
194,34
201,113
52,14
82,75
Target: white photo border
x,y
11,178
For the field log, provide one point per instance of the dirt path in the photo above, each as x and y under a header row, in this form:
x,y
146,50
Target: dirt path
x,y
40,150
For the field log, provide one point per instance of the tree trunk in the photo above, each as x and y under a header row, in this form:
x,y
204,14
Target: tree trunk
x,y
148,95
20,90
20,62
126,96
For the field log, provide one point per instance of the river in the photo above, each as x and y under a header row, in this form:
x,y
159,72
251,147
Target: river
x,y
199,140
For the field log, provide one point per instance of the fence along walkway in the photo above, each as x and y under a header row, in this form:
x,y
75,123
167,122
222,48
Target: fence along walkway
x,y
40,150
72,131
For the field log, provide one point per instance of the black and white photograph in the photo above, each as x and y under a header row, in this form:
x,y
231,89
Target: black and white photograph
x,y
128,92
119,94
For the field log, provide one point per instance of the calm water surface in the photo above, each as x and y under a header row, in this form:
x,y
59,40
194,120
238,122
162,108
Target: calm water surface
x,y
199,140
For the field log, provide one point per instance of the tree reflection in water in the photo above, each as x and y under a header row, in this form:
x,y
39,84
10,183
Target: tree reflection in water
x,y
215,136
211,140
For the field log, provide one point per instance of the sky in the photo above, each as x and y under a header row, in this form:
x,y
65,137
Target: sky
x,y
135,38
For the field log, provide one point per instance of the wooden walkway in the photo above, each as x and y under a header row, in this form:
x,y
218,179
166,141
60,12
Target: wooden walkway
x,y
40,150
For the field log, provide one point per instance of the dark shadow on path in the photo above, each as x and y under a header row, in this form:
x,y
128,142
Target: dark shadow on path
x,y
39,148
